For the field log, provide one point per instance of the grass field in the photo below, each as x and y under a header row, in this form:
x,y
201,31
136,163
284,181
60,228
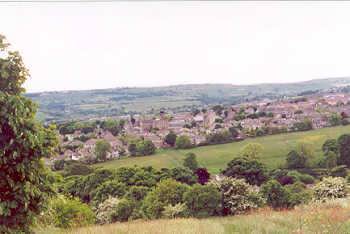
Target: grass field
x,y
332,218
216,157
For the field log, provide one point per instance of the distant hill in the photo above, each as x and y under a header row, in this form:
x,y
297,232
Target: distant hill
x,y
67,105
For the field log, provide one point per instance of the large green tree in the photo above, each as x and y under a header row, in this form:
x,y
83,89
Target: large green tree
x,y
344,149
23,144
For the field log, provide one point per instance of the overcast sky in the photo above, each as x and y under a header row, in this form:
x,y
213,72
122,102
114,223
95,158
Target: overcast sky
x,y
69,46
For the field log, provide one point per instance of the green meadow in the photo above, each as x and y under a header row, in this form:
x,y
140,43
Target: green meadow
x,y
215,157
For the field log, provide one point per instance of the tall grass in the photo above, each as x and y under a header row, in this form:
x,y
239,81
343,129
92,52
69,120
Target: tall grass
x,y
332,217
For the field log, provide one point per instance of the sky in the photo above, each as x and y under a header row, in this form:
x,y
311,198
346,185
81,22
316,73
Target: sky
x,y
76,46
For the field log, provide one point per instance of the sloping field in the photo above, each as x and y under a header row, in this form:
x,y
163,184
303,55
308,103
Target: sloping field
x,y
333,217
216,157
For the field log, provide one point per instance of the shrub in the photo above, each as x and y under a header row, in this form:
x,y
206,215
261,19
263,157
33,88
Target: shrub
x,y
132,149
297,194
295,160
330,145
137,193
183,175
330,160
202,200
106,210
145,147
110,188
69,213
306,179
344,149
339,171
237,196
58,165
166,192
330,188
252,150
190,162
202,175
174,211
251,170
170,138
183,142
275,194
123,210
76,168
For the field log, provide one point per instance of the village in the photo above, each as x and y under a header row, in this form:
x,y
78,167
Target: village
x,y
250,119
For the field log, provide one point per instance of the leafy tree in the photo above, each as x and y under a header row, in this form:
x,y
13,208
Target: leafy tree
x,y
202,200
183,142
344,149
251,170
137,193
330,145
101,149
183,175
23,142
132,149
202,175
110,188
252,150
296,160
145,147
170,138
335,119
330,160
167,192
190,162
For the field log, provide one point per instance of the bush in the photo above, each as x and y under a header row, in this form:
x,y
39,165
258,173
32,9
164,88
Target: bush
x,y
190,162
110,188
330,188
105,210
145,147
202,200
58,165
174,211
183,142
296,160
170,138
344,149
298,194
339,171
183,175
275,194
137,193
330,145
237,196
123,210
69,213
202,175
306,179
251,170
166,192
76,168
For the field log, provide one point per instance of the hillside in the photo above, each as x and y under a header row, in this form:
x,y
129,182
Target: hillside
x,y
327,218
216,157
65,105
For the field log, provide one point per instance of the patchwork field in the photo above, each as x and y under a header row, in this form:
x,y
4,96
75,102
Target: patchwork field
x,y
333,217
216,157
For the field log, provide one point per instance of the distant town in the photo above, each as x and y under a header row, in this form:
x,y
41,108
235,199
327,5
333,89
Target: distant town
x,y
142,134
